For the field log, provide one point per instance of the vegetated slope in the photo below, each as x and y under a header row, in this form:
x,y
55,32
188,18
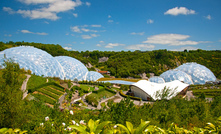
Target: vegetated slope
x,y
127,63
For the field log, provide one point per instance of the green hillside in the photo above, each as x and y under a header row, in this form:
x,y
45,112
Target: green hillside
x,y
126,63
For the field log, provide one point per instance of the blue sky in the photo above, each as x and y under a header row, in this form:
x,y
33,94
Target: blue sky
x,y
114,25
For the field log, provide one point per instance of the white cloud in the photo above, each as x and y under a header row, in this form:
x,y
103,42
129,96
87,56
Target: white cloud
x,y
98,45
8,35
110,21
171,40
140,47
46,22
133,33
219,40
29,32
183,48
95,25
80,29
150,21
9,10
75,29
26,31
109,16
37,14
179,10
86,36
68,48
208,17
85,30
42,33
94,35
48,9
111,45
75,15
88,3
89,36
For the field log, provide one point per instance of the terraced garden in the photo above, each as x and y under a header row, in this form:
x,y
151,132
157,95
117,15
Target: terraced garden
x,y
49,94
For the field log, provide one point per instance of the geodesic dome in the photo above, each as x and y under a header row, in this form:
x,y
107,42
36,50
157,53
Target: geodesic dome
x,y
157,79
172,75
93,76
72,68
42,63
199,73
34,59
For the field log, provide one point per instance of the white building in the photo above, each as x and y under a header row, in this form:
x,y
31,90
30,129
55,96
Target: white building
x,y
146,90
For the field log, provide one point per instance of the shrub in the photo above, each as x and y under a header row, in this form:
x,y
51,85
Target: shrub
x,y
132,97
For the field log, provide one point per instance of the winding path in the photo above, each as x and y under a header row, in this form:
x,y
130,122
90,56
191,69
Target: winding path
x,y
24,86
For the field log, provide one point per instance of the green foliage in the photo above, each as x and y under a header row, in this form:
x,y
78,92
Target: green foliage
x,y
11,131
34,82
44,99
129,129
128,96
93,127
165,93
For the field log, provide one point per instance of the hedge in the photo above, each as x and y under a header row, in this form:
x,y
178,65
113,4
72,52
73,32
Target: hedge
x,y
110,90
132,97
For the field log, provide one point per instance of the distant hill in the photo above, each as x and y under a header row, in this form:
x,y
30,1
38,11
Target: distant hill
x,y
131,64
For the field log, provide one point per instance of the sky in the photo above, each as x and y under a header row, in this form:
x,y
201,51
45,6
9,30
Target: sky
x,y
114,25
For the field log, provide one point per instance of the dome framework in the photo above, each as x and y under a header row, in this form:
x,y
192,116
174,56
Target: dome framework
x,y
42,63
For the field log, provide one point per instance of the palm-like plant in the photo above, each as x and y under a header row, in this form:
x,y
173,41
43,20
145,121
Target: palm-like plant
x,y
129,129
211,128
11,131
174,129
92,127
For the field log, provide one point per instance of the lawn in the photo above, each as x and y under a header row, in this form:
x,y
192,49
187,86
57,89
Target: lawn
x,y
86,87
35,81
103,94
124,79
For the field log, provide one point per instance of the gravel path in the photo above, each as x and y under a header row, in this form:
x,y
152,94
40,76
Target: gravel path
x,y
24,86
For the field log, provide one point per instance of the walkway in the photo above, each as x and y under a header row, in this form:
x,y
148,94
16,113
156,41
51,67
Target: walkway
x,y
24,86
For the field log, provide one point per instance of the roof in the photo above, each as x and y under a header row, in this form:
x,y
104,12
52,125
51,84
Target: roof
x,y
151,88
102,72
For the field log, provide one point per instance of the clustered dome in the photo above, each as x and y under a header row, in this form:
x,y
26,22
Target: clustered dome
x,y
42,63
190,73
199,73
157,79
172,75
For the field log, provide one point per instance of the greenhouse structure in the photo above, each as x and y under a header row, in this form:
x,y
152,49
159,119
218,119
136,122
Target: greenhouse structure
x,y
43,64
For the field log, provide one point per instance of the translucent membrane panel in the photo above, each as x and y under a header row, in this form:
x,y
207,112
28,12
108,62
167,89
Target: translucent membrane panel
x,y
72,68
199,73
157,79
172,75
36,60
93,76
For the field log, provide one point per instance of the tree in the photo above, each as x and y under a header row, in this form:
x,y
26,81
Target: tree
x,y
165,93
11,110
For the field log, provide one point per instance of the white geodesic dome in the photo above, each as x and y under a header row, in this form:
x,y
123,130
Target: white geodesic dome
x,y
72,67
93,76
199,73
157,79
172,75
34,59
42,63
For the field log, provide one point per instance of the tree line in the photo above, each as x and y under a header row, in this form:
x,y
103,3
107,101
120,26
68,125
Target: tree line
x,y
125,64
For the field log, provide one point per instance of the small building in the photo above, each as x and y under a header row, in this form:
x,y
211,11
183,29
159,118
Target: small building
x,y
146,90
104,72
